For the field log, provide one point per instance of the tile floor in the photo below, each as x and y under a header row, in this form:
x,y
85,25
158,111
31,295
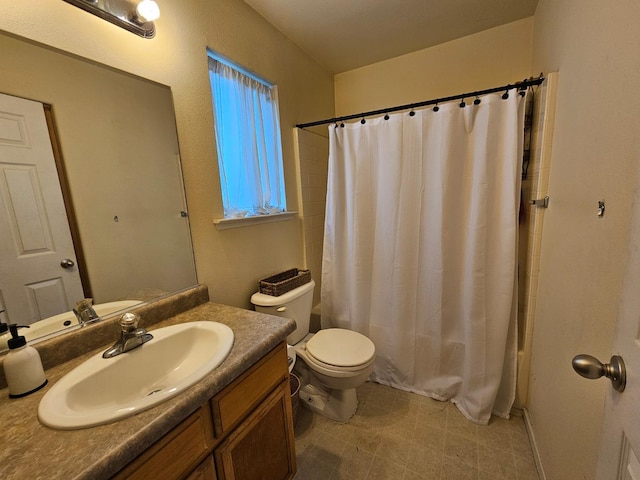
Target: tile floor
x,y
398,435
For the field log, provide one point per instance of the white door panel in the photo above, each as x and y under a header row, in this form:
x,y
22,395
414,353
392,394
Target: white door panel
x,y
620,442
26,212
34,229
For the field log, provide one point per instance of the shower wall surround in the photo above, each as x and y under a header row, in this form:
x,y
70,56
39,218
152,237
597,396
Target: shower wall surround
x,y
312,153
534,187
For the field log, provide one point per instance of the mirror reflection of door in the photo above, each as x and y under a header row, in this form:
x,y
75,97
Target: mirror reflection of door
x,y
33,221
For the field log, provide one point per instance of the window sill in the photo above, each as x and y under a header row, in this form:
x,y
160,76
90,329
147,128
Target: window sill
x,y
226,223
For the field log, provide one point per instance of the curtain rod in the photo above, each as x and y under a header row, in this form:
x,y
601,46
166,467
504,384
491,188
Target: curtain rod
x,y
519,85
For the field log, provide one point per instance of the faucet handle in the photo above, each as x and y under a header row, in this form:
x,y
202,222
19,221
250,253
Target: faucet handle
x,y
129,322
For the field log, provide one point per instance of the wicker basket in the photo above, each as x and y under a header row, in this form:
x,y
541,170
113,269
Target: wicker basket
x,y
281,283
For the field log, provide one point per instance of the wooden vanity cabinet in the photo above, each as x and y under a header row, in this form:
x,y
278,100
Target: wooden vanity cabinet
x,y
245,432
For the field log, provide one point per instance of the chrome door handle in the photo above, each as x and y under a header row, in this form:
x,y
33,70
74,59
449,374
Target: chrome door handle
x,y
67,263
591,367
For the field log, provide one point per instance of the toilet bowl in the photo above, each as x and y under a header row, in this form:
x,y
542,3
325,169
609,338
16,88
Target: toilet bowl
x,y
331,363
291,357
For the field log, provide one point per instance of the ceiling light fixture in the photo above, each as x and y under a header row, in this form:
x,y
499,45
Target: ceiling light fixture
x,y
136,17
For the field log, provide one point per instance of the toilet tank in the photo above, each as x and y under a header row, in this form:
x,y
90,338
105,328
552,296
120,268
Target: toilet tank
x,y
295,304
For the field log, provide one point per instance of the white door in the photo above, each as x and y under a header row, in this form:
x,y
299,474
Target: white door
x,y
620,442
34,231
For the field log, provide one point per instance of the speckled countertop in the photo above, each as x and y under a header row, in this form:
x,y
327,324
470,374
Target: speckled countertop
x,y
30,450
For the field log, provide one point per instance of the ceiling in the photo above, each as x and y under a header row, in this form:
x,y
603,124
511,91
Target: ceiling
x,y
346,34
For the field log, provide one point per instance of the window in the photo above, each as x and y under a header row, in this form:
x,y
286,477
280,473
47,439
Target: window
x,y
248,141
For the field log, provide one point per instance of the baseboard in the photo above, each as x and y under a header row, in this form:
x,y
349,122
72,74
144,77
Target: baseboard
x,y
534,444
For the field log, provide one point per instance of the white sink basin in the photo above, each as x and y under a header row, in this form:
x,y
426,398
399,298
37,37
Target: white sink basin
x,y
64,322
103,390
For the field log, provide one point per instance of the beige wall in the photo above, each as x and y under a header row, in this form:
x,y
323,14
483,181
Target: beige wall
x,y
594,156
487,59
230,262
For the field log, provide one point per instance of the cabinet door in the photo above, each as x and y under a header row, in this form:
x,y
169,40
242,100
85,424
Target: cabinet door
x,y
262,447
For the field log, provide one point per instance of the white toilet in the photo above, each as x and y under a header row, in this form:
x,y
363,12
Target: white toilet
x,y
334,361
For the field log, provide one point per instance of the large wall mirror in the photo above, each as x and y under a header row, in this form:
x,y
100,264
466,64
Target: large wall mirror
x,y
114,138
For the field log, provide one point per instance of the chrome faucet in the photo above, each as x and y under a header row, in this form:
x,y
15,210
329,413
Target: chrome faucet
x,y
130,337
85,313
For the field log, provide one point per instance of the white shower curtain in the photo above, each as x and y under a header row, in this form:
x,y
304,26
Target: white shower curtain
x,y
420,248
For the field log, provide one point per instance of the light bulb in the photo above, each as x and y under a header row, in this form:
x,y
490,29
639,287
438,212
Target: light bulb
x,y
147,10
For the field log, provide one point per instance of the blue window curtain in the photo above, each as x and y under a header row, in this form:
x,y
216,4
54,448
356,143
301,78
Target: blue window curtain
x,y
248,141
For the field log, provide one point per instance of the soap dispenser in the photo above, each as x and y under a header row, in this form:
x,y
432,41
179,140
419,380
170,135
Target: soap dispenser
x,y
22,367
4,334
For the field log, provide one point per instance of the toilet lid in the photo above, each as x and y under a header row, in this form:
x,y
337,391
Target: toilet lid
x,y
340,347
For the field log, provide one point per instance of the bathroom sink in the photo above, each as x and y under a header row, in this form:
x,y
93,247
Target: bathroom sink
x,y
103,390
65,322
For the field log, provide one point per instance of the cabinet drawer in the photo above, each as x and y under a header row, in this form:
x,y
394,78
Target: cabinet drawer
x,y
177,453
238,399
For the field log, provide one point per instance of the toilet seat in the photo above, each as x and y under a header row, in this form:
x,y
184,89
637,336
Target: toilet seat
x,y
332,370
340,349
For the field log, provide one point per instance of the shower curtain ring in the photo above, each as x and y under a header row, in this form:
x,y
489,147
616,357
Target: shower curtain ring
x,y
363,121
386,116
462,103
505,95
477,100
436,108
